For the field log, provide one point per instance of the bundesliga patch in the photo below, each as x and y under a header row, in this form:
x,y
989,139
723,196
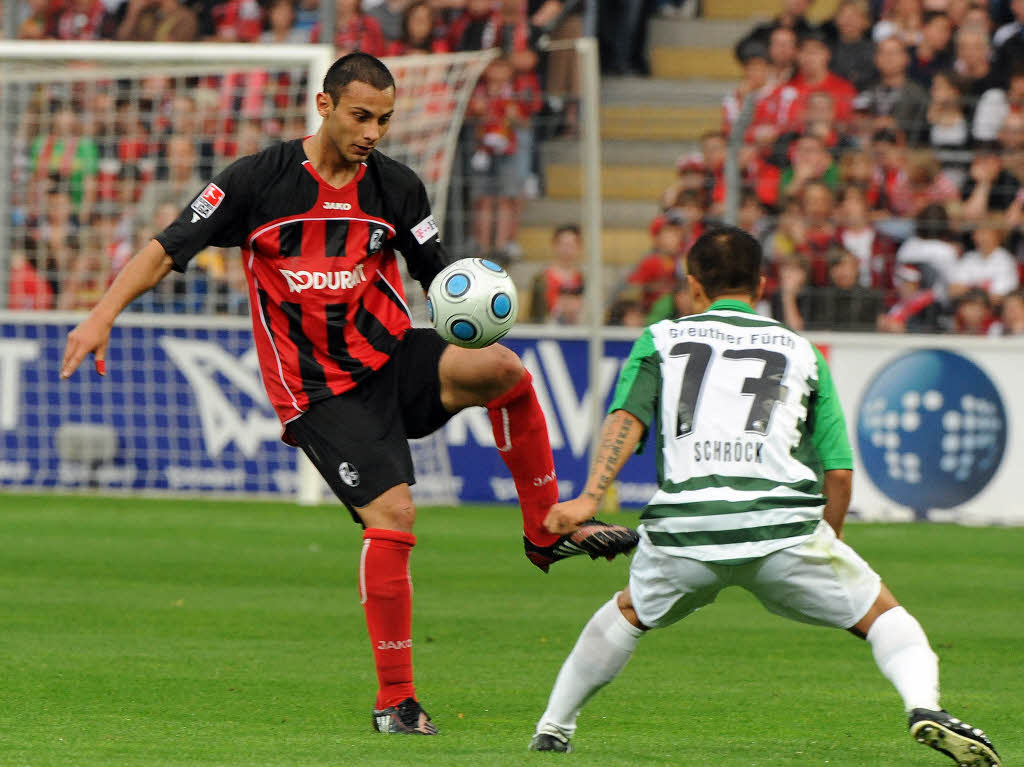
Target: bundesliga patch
x,y
424,230
208,201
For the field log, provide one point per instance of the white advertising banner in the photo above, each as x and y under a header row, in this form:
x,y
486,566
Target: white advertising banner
x,y
936,423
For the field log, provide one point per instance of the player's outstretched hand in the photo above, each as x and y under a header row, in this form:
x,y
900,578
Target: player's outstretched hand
x,y
566,517
91,336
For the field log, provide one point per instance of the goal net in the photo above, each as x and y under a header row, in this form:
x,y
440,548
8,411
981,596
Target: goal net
x,y
103,144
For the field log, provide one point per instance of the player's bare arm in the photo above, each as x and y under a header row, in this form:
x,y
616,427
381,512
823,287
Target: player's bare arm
x,y
838,488
620,435
141,273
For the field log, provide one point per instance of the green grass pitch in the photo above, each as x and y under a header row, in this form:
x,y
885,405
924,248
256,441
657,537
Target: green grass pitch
x,y
145,632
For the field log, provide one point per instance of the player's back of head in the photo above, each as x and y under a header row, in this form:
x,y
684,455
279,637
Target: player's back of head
x,y
356,67
725,260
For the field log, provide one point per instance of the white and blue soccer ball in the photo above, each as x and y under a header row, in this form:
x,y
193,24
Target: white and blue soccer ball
x,y
472,303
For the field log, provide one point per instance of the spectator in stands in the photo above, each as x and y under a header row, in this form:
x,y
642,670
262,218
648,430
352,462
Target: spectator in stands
x,y
180,184
973,314
817,205
989,185
793,16
529,96
162,21
26,288
988,267
813,76
355,30
418,33
756,80
927,183
674,304
562,79
307,16
810,162
281,24
843,304
917,308
621,31
67,158
901,19
782,49
930,246
53,237
947,118
389,15
557,294
39,21
237,21
875,253
657,272
995,104
496,184
627,309
893,183
853,52
897,102
933,53
81,20
1011,29
1011,138
974,64
751,217
1011,316
475,28
791,300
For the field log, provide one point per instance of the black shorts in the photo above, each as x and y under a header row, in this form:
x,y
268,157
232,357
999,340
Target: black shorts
x,y
358,440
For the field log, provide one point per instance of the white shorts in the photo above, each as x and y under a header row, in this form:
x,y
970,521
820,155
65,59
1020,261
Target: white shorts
x,y
821,581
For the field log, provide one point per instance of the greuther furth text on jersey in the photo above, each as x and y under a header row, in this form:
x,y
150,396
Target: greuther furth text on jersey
x,y
325,290
748,422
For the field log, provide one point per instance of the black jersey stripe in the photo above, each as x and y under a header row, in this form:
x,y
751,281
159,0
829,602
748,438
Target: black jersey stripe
x,y
335,238
384,287
289,236
373,330
314,380
337,346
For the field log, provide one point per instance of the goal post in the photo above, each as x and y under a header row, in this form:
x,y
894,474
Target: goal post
x,y
89,131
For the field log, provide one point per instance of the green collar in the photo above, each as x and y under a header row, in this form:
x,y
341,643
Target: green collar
x,y
733,306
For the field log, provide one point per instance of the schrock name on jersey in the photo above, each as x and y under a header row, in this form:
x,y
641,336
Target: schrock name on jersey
x,y
303,280
729,450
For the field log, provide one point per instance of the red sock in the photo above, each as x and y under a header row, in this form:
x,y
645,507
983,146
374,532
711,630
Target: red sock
x,y
385,591
521,434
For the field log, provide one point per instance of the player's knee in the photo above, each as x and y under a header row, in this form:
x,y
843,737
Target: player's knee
x,y
399,515
505,367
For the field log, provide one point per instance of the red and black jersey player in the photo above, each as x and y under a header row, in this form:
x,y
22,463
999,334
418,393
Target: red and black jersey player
x,y
319,220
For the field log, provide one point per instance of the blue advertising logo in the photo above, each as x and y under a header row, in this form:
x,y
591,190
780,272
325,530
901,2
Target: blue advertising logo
x,y
931,430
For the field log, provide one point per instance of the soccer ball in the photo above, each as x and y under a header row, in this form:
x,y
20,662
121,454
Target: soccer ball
x,y
472,303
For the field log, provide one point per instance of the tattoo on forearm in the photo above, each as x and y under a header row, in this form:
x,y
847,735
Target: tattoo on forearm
x,y
610,455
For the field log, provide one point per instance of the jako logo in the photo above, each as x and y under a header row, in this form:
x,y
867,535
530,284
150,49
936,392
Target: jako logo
x,y
337,206
385,644
303,280
541,481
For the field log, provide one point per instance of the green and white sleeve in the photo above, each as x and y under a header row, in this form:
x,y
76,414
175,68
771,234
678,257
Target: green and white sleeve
x,y
639,386
829,433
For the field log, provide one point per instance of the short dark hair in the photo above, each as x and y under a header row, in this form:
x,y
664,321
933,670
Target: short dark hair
x,y
566,228
356,67
725,260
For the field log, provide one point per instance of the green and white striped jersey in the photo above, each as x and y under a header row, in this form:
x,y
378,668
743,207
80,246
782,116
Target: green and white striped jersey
x,y
748,422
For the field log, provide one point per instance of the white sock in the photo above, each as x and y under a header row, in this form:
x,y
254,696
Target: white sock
x,y
904,656
605,646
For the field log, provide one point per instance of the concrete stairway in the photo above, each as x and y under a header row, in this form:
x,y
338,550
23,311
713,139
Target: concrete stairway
x,y
646,125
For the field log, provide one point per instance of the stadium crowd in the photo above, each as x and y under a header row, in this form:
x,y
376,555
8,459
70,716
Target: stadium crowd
x,y
102,166
881,159
881,164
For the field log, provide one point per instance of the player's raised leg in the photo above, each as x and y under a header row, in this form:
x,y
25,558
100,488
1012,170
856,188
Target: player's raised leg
x,y
495,378
906,659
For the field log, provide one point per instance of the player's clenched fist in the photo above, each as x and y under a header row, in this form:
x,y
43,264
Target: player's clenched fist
x,y
92,335
566,517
